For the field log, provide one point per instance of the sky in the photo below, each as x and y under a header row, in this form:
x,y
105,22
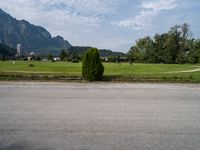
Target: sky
x,y
108,24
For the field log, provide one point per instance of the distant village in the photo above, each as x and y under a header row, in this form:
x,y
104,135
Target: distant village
x,y
21,53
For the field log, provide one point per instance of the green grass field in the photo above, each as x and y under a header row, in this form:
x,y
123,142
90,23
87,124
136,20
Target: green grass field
x,y
113,71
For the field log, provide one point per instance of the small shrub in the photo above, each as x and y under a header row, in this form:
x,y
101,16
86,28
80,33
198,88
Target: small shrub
x,y
75,61
92,68
69,59
31,65
175,77
25,59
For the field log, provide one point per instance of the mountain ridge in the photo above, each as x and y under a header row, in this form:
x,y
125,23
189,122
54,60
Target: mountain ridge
x,y
80,50
32,37
38,39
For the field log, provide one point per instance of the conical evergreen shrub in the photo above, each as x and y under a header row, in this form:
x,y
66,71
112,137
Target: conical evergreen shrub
x,y
92,68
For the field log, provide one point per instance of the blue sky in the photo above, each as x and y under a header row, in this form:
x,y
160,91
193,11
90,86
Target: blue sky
x,y
110,24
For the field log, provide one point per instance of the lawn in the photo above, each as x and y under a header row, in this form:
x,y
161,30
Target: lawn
x,y
113,71
41,67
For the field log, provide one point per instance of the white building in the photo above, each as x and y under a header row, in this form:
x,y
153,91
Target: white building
x,y
19,50
56,59
32,54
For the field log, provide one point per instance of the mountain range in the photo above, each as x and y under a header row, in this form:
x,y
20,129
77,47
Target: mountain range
x,y
80,50
38,39
33,38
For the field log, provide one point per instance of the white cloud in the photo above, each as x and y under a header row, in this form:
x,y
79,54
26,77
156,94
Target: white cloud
x,y
150,9
79,21
78,11
159,5
90,22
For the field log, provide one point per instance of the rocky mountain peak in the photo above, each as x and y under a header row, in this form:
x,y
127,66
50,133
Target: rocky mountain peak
x,y
37,38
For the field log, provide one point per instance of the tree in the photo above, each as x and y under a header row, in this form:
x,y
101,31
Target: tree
x,y
142,51
134,55
63,55
185,41
159,47
194,53
50,57
92,68
180,35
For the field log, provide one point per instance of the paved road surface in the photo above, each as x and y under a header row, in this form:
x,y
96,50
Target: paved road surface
x,y
57,116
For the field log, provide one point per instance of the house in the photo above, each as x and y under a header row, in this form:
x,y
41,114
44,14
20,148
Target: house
x,y
31,56
56,59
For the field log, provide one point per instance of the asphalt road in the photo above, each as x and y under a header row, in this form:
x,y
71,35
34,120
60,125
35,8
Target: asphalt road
x,y
72,116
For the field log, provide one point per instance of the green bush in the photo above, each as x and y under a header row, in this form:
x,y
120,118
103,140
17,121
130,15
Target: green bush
x,y
92,68
75,61
31,65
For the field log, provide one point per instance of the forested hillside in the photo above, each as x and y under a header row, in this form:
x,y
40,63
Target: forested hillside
x,y
6,52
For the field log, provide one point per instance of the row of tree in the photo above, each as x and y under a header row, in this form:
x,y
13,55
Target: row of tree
x,y
67,56
75,53
175,46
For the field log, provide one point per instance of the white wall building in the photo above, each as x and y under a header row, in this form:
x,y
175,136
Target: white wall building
x,y
19,50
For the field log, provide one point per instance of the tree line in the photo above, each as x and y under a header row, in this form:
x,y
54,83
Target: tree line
x,y
174,47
